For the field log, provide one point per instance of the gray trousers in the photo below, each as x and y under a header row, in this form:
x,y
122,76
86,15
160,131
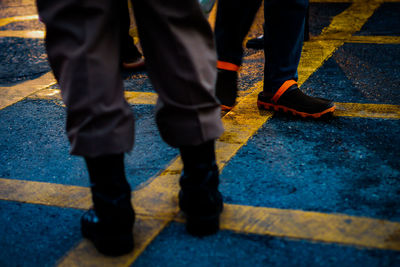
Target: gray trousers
x,y
83,48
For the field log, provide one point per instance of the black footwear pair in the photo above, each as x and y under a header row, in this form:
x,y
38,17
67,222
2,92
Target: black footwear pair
x,y
109,224
288,98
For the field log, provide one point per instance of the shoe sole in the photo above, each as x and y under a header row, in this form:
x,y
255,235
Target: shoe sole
x,y
226,108
203,225
279,108
115,245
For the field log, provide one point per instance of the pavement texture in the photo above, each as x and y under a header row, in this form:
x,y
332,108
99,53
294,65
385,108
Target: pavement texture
x,y
297,192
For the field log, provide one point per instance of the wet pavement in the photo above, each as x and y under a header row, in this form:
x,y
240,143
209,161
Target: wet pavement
x,y
297,192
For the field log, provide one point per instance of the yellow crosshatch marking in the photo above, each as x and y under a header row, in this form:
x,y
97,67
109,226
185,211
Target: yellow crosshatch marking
x,y
23,34
156,203
11,95
374,39
5,21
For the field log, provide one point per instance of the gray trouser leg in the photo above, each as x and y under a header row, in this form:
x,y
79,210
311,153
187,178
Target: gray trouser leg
x,y
178,45
83,48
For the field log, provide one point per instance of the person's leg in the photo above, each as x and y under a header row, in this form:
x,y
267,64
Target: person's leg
x,y
284,30
83,48
233,22
258,42
179,50
234,19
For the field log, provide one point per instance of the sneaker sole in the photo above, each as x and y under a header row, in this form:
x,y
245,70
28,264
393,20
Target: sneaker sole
x,y
279,108
226,108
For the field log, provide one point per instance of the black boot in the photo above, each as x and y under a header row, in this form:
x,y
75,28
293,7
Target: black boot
x,y
199,197
109,224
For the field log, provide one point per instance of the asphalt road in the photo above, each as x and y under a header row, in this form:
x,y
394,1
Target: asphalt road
x,y
297,192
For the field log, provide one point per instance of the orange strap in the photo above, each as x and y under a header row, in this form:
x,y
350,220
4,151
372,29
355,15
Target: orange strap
x,y
286,85
227,66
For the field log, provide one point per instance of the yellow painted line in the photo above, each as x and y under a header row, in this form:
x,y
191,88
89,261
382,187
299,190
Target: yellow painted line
x,y
382,111
134,98
5,21
374,39
23,34
212,16
49,194
11,95
315,226
141,98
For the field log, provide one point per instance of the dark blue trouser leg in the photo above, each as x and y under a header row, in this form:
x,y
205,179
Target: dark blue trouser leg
x,y
284,29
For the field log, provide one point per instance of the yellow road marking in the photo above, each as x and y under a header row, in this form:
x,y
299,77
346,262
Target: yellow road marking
x,y
134,98
11,95
382,111
141,98
23,34
315,226
5,21
374,39
49,194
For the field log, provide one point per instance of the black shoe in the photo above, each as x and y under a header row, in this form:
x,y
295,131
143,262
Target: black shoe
x,y
256,43
200,199
226,88
108,236
290,99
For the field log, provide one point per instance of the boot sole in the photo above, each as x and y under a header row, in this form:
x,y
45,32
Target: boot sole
x,y
279,108
202,225
115,245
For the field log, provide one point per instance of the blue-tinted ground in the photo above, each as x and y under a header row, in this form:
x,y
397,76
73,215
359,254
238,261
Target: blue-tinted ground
x,y
32,135
321,14
385,21
174,247
359,73
36,235
344,165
